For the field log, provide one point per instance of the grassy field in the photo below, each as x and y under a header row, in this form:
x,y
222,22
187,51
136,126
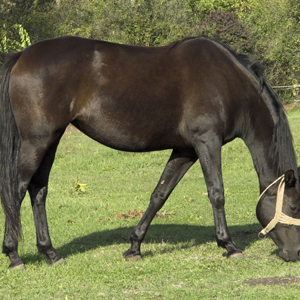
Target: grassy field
x,y
180,257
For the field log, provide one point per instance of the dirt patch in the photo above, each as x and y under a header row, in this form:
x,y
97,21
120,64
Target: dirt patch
x,y
133,214
274,281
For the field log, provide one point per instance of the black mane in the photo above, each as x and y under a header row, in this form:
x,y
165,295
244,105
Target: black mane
x,y
282,149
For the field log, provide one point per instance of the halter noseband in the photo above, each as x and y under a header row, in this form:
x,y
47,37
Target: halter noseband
x,y
279,217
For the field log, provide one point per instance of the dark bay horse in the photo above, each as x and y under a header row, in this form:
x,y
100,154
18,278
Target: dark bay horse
x,y
192,96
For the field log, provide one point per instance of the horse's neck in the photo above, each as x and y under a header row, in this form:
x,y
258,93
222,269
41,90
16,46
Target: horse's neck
x,y
259,139
271,161
267,170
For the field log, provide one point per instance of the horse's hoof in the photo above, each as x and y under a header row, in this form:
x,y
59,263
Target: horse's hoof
x,y
133,257
19,267
59,262
236,255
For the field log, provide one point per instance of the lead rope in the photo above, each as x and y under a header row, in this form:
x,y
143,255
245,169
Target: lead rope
x,y
279,217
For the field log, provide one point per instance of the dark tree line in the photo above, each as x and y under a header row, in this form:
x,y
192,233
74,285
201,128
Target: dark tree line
x,y
266,30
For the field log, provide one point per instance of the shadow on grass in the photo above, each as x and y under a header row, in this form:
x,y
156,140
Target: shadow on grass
x,y
173,234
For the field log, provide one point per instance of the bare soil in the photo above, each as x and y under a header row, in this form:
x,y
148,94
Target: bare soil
x,y
274,281
134,214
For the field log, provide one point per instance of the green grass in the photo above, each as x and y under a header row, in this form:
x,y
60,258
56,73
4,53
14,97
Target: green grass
x,y
180,257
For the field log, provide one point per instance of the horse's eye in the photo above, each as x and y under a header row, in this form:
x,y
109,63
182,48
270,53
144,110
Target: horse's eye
x,y
293,209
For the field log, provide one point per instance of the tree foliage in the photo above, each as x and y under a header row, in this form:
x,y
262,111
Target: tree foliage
x,y
275,24
227,28
268,30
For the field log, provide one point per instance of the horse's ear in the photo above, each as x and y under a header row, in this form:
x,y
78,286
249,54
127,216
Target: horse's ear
x,y
289,178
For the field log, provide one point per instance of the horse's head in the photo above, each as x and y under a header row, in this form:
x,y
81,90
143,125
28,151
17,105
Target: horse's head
x,y
278,211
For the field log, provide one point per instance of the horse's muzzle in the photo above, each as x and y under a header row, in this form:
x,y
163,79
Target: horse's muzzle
x,y
290,255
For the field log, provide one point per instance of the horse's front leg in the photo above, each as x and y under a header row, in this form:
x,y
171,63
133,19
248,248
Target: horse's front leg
x,y
176,167
209,153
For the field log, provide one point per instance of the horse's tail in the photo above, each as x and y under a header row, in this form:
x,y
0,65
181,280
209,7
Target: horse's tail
x,y
9,147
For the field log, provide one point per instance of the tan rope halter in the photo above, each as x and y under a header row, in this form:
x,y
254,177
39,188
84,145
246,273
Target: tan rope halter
x,y
279,217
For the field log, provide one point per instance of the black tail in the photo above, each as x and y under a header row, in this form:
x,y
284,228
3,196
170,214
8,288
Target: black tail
x,y
9,146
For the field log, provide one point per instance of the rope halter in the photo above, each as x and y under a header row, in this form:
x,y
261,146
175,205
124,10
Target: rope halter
x,y
279,217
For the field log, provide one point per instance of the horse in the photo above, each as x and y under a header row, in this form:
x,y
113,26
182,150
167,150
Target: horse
x,y
191,96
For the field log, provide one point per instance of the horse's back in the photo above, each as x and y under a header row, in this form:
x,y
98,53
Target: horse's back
x,y
118,95
129,98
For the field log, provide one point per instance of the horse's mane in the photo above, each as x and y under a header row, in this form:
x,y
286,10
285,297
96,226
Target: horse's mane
x,y
282,149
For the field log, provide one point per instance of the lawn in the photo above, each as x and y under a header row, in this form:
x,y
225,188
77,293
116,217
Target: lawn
x,y
180,258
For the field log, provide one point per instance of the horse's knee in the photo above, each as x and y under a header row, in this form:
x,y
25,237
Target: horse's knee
x,y
158,199
216,197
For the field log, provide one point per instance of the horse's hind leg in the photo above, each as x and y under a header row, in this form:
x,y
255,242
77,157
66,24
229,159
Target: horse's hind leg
x,y
33,172
10,245
37,189
176,167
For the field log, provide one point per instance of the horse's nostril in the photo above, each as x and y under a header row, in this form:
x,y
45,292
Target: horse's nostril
x,y
284,254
